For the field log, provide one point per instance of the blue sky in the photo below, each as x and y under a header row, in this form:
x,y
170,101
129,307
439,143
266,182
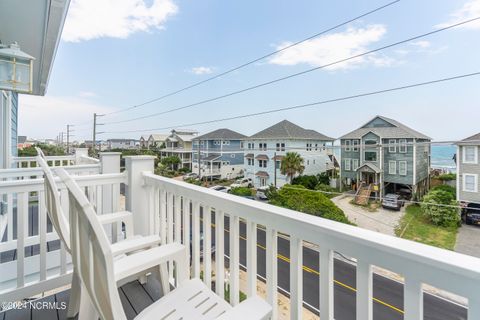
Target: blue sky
x,y
115,54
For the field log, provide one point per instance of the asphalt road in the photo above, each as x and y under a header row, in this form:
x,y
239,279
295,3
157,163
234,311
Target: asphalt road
x,y
387,293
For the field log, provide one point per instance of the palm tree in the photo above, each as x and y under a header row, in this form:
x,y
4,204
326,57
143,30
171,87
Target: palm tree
x,y
291,165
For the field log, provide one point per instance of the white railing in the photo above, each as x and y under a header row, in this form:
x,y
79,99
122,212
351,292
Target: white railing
x,y
53,161
171,204
27,226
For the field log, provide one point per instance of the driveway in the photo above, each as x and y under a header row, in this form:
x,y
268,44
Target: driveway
x,y
468,240
382,220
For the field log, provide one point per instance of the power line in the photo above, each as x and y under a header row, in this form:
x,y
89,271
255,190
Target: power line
x,y
351,97
294,74
253,61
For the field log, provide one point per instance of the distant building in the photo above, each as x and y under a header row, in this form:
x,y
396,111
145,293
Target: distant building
x,y
179,144
143,141
385,156
157,140
221,154
122,144
265,150
468,170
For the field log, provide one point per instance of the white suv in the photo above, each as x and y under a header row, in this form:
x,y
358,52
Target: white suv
x,y
243,182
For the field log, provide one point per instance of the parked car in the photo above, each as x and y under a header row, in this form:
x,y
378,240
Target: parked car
x,y
191,175
392,201
472,214
262,193
243,182
221,188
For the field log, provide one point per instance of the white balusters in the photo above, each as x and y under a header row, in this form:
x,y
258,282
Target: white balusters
x,y
364,290
169,217
219,252
22,222
326,283
234,260
271,269
42,233
296,278
163,216
196,240
207,245
186,225
251,258
178,219
413,299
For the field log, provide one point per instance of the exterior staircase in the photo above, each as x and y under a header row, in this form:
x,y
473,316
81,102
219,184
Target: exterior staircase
x,y
363,194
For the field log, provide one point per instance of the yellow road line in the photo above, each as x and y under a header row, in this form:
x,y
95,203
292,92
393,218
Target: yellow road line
x,y
310,270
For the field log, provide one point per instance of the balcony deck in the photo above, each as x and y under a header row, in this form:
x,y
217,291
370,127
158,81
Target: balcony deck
x,y
135,297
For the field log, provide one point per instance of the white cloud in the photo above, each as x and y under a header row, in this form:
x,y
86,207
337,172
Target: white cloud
x,y
421,44
87,94
92,19
201,70
336,46
44,117
470,10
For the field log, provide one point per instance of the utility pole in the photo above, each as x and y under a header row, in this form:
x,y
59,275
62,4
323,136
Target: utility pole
x,y
95,124
69,131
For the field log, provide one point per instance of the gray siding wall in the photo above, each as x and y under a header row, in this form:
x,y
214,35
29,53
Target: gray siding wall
x,y
397,157
423,160
349,155
470,169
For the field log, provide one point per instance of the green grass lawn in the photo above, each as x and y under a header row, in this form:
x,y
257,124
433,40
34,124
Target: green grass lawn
x,y
414,226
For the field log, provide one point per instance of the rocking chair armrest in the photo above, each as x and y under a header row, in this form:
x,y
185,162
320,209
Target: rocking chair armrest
x,y
252,308
122,216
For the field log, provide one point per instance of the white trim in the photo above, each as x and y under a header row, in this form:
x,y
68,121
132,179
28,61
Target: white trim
x,y
349,167
355,164
464,154
402,143
392,146
392,167
406,168
475,187
348,145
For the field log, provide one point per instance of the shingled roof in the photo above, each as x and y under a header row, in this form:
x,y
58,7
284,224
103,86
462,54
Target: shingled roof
x,y
397,130
288,130
475,139
221,134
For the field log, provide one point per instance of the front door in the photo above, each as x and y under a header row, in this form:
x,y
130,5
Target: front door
x,y
263,182
368,177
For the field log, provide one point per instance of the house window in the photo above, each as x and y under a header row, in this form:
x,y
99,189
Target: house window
x,y
250,161
316,146
392,146
241,145
347,165
392,167
280,147
355,145
402,168
232,155
308,162
348,145
402,145
355,164
309,147
226,142
262,146
370,155
313,161
470,154
470,182
216,142
278,164
262,163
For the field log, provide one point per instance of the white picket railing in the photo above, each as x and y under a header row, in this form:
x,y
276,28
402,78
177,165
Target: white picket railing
x,y
171,203
53,161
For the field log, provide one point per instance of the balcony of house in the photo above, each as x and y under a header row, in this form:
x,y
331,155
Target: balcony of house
x,y
300,264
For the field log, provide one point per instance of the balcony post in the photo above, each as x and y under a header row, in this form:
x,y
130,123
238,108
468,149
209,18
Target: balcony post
x,y
110,163
79,153
136,191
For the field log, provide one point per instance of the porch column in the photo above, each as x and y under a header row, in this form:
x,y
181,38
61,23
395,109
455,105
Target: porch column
x,y
79,153
136,192
110,163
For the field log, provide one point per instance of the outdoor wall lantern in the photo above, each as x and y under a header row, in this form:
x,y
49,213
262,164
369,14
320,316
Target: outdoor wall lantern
x,y
16,69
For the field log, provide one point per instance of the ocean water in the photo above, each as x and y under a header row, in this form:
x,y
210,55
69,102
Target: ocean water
x,y
442,157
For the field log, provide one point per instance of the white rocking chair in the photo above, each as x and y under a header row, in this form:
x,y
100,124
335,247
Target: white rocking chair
x,y
92,256
130,244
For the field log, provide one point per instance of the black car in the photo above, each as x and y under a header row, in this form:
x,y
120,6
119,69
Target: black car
x,y
472,213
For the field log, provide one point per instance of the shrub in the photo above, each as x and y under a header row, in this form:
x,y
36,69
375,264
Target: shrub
x,y
308,182
437,214
323,178
327,189
447,177
241,191
447,188
310,202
